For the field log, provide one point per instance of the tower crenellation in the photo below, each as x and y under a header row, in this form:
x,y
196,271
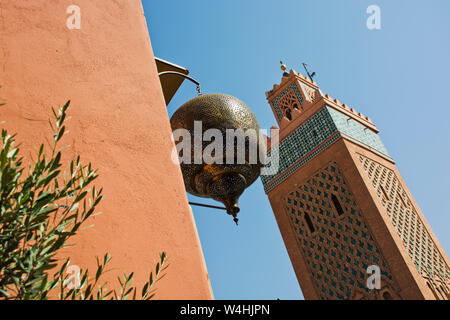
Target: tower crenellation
x,y
296,94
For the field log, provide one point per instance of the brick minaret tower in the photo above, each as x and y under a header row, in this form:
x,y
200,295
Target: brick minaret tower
x,y
342,206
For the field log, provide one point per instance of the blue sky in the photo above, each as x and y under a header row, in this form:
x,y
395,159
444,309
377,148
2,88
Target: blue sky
x,y
399,76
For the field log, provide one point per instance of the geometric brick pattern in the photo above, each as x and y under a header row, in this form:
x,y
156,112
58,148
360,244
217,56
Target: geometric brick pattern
x,y
336,244
415,237
287,100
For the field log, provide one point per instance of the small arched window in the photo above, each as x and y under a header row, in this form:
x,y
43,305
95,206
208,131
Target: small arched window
x,y
288,114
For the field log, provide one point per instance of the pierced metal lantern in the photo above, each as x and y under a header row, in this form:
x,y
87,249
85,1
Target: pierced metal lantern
x,y
225,181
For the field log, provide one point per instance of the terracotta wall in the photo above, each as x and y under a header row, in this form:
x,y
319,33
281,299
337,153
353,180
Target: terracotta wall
x,y
119,122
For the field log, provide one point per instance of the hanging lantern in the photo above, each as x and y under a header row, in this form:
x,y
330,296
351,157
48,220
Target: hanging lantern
x,y
224,180
235,167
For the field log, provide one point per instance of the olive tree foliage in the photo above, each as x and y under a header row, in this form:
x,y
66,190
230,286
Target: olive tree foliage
x,y
42,207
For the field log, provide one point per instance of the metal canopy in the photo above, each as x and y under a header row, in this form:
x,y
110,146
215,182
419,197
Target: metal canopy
x,y
170,83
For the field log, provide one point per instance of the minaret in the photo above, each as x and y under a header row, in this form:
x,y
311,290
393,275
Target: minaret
x,y
342,206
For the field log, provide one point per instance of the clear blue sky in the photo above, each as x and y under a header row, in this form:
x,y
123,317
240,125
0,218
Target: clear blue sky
x,y
399,76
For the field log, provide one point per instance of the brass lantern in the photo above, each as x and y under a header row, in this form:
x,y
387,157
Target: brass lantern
x,y
223,181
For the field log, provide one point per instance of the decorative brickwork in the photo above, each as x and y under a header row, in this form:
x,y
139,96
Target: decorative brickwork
x,y
286,101
335,241
410,228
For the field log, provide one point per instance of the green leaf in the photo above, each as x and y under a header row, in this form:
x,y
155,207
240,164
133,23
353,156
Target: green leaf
x,y
66,106
60,133
55,162
145,291
11,154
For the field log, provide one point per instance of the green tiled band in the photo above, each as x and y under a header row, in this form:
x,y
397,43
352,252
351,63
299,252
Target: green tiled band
x,y
314,136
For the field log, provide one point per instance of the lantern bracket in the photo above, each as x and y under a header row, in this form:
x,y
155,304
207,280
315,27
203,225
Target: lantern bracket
x,y
184,76
213,207
207,205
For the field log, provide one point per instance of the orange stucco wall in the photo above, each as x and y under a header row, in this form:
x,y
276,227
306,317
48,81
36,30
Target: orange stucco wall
x,y
119,123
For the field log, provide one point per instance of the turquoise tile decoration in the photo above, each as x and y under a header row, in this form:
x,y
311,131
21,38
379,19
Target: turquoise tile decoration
x,y
275,101
305,88
355,130
315,135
